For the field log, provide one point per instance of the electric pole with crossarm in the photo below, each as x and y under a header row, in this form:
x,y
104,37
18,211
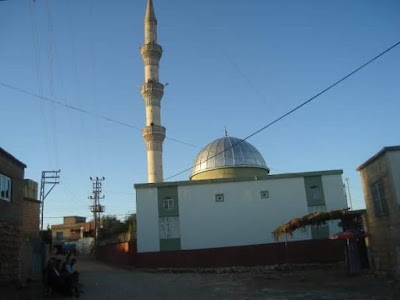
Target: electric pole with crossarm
x,y
48,178
96,208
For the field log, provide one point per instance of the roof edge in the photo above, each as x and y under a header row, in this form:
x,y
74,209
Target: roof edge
x,y
377,155
225,180
13,158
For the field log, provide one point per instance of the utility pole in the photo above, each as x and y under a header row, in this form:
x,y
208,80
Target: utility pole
x,y
48,177
348,191
96,208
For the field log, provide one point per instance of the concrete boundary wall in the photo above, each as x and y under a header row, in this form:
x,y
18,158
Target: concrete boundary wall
x,y
298,252
122,254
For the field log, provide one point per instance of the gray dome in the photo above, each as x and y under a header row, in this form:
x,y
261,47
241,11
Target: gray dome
x,y
228,152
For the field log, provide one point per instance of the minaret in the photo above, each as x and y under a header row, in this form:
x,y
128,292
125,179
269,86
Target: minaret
x,y
152,92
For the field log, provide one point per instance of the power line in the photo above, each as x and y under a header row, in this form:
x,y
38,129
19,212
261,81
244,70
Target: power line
x,y
296,108
50,58
114,192
188,144
39,74
84,111
89,216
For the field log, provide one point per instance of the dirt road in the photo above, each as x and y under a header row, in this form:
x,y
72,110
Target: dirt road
x,y
106,282
101,281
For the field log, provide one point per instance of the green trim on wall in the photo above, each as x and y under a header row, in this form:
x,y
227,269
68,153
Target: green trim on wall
x,y
315,197
314,190
170,192
320,232
170,244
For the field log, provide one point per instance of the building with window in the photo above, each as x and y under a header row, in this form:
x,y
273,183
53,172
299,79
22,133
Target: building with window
x,y
380,176
11,206
19,222
213,213
72,229
233,202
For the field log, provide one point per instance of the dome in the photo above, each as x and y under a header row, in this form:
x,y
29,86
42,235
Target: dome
x,y
228,157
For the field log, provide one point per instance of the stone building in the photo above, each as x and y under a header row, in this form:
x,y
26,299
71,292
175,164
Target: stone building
x,y
380,176
11,205
19,221
31,208
32,247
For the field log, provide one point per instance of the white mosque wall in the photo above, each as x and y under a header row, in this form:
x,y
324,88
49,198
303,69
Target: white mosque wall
x,y
243,218
334,198
147,220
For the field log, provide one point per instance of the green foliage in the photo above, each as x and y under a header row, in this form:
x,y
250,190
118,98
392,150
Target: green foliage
x,y
112,226
131,222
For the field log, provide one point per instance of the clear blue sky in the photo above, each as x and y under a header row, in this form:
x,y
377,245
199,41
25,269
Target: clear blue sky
x,y
238,64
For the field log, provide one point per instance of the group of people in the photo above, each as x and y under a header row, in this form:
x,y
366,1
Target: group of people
x,y
62,276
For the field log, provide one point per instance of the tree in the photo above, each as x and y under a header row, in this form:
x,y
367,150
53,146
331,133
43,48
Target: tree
x,y
111,226
130,221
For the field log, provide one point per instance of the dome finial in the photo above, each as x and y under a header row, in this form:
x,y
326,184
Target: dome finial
x,y
226,132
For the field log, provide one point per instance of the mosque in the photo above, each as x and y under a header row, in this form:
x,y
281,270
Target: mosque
x,y
230,201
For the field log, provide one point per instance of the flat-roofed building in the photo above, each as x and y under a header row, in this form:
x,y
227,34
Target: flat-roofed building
x,y
380,176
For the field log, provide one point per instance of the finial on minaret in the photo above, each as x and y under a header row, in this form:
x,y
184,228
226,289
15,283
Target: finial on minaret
x,y
150,15
152,91
150,24
226,132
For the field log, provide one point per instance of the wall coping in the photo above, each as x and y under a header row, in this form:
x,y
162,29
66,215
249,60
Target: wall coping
x,y
226,180
377,155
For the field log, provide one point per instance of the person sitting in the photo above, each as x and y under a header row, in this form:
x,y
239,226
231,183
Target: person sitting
x,y
70,275
52,275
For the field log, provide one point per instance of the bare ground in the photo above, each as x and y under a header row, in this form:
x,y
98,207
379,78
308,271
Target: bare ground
x,y
103,281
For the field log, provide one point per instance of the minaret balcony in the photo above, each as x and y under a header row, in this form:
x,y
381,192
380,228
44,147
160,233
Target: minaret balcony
x,y
153,133
152,89
151,51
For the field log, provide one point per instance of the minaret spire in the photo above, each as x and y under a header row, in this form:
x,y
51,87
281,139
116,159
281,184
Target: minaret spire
x,y
150,15
150,24
152,92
